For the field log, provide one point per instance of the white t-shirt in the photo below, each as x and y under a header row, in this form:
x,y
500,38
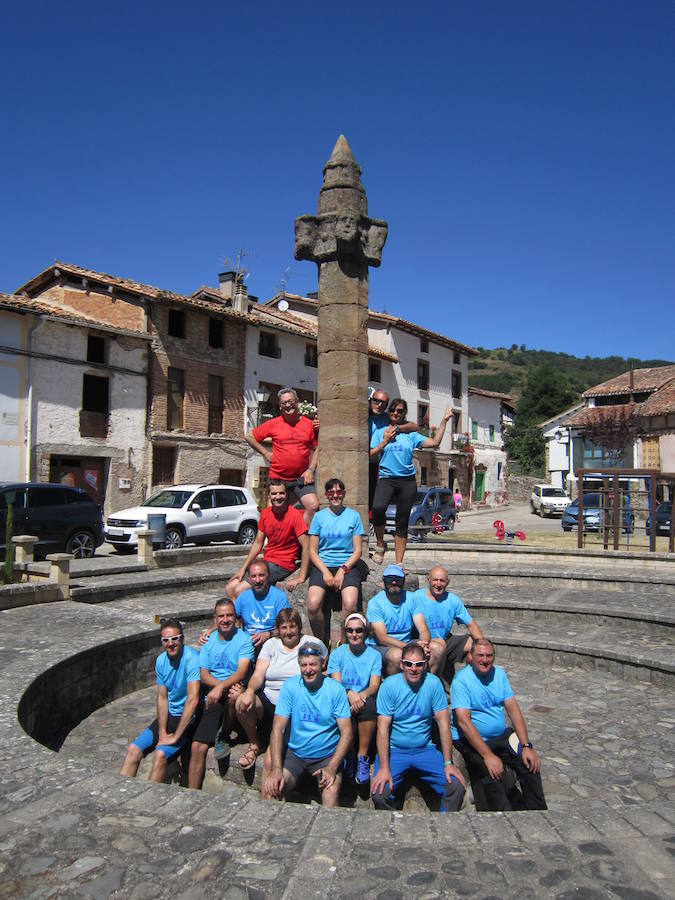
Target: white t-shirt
x,y
283,663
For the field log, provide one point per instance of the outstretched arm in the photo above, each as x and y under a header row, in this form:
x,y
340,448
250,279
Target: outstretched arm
x,y
435,441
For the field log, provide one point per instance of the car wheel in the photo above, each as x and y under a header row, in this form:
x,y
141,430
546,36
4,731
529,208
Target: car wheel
x,y
173,538
81,545
247,533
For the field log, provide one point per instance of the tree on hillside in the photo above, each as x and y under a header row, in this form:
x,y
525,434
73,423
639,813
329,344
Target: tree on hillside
x,y
546,393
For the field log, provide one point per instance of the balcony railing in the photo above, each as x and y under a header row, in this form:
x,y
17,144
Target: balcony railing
x,y
274,352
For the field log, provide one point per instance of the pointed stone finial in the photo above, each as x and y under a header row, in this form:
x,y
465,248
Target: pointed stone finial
x,y
342,188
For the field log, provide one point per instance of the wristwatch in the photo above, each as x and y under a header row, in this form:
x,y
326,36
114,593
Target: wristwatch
x,y
528,745
345,568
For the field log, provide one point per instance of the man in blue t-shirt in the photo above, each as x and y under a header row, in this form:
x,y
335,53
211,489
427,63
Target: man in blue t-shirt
x,y
225,662
481,695
358,668
319,733
178,679
406,705
441,610
258,607
392,614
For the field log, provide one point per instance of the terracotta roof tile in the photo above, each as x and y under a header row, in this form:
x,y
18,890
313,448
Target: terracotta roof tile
x,y
661,402
42,308
643,380
597,415
481,392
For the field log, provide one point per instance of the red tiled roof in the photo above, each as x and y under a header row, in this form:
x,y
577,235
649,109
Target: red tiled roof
x,y
212,304
39,307
661,402
598,415
643,380
396,321
481,392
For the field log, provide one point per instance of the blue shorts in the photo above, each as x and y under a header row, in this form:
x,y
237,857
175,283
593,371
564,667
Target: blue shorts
x,y
427,762
147,740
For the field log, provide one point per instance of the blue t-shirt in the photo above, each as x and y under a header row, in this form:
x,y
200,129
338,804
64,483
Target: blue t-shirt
x,y
397,618
440,614
355,670
175,677
396,458
381,420
335,535
260,614
313,732
221,657
411,711
484,697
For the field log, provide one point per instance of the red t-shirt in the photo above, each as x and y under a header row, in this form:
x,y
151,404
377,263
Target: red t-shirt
x,y
291,445
282,547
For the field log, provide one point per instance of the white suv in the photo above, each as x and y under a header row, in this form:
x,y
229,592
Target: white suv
x,y
199,513
548,500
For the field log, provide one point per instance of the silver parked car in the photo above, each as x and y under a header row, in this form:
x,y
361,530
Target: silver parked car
x,y
547,500
195,513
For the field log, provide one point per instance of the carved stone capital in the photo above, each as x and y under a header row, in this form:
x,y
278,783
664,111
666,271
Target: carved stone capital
x,y
334,236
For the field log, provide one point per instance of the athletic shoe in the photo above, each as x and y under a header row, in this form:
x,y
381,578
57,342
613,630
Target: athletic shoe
x,y
349,764
362,770
221,749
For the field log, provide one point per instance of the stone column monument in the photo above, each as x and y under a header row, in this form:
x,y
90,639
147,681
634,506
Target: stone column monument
x,y
343,241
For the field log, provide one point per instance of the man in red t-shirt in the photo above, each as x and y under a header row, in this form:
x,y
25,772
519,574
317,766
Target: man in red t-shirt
x,y
293,455
286,533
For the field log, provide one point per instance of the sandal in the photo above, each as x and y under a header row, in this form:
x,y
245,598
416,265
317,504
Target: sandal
x,y
378,555
247,761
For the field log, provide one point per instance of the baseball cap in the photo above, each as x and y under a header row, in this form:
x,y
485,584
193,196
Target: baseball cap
x,y
394,570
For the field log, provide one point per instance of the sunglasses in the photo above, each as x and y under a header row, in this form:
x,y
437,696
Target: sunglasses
x,y
379,402
393,579
174,639
336,492
310,651
409,664
355,630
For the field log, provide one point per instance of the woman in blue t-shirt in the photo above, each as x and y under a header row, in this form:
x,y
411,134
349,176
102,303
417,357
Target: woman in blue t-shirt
x,y
335,537
396,479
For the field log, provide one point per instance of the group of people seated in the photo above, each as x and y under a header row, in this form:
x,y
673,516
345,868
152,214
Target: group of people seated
x,y
320,712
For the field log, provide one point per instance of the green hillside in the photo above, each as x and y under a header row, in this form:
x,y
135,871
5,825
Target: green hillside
x,y
506,369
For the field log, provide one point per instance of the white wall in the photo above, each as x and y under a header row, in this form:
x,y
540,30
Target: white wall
x,y
13,369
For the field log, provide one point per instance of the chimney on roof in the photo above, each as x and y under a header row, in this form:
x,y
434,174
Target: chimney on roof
x,y
226,283
240,299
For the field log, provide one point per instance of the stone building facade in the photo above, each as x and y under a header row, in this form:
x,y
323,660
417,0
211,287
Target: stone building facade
x,y
488,413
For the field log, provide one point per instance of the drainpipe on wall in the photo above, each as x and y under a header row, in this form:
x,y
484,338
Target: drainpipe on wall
x,y
29,411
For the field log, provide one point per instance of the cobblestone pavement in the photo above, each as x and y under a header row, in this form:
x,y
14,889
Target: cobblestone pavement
x,y
71,827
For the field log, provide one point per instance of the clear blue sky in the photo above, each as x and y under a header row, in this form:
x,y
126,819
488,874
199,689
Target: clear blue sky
x,y
522,153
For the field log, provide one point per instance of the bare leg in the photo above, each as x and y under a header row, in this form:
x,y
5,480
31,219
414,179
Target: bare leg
x,y
400,543
310,503
392,661
350,599
315,614
159,767
131,761
249,719
197,764
233,588
436,655
366,732
379,537
331,795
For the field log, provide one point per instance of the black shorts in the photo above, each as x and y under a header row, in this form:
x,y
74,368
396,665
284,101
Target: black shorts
x,y
277,573
368,713
299,489
454,648
351,578
210,722
298,767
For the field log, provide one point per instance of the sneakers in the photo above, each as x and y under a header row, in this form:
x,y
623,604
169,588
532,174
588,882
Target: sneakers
x,y
362,770
221,749
349,764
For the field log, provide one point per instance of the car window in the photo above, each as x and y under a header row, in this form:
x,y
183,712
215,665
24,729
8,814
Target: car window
x,y
230,497
77,497
446,498
419,497
38,497
15,497
537,491
206,499
169,499
431,502
552,492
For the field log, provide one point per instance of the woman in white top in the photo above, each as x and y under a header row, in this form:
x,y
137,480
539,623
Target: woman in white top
x,y
277,661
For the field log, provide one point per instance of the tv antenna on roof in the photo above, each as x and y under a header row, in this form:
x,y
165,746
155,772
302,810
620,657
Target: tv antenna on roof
x,y
286,276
